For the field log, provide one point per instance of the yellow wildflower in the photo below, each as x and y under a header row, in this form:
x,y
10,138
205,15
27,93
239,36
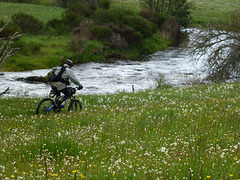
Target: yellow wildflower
x,y
82,176
75,171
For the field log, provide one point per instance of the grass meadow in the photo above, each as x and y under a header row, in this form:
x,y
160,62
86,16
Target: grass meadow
x,y
176,133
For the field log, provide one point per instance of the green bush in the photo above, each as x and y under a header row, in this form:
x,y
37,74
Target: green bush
x,y
64,25
92,51
101,32
140,24
29,48
57,26
79,9
70,19
154,44
8,30
104,4
27,23
115,16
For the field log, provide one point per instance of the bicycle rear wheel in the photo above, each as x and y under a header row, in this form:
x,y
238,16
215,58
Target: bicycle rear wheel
x,y
74,106
46,106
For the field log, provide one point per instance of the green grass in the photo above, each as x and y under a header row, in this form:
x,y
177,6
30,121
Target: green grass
x,y
43,13
205,11
179,133
38,52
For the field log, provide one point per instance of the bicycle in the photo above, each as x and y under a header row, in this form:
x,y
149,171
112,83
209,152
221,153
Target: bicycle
x,y
49,105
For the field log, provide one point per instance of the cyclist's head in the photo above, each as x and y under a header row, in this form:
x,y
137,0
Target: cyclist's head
x,y
69,63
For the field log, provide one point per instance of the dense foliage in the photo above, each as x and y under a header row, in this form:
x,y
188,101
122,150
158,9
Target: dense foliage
x,y
115,29
117,33
27,23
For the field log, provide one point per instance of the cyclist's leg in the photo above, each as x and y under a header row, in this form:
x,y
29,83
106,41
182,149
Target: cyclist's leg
x,y
66,93
56,90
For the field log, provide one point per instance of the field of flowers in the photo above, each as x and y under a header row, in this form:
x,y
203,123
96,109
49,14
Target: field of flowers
x,y
177,133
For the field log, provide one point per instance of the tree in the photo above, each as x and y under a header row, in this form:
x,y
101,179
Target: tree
x,y
179,9
6,49
219,46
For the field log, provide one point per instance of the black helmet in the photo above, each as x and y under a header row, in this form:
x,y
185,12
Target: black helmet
x,y
69,63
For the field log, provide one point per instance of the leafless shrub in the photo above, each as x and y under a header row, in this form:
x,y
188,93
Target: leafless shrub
x,y
80,35
149,14
6,49
219,46
118,41
172,29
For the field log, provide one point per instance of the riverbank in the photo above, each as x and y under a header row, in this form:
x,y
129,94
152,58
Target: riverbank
x,y
175,133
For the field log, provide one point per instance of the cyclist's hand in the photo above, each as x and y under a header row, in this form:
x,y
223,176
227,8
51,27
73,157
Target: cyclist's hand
x,y
80,87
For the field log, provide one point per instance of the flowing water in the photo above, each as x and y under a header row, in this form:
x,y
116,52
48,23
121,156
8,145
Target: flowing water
x,y
175,64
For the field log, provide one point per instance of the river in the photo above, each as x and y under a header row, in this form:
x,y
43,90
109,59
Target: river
x,y
175,64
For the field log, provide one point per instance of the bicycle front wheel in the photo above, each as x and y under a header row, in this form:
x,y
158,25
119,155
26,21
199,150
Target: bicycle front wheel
x,y
46,106
74,106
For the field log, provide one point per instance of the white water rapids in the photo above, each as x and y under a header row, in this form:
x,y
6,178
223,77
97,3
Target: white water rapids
x,y
174,64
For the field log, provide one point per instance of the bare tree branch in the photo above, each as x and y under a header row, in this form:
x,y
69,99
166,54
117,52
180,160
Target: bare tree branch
x,y
220,50
4,92
6,49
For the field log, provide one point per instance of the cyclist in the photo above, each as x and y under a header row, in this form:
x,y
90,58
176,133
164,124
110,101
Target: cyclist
x,y
67,75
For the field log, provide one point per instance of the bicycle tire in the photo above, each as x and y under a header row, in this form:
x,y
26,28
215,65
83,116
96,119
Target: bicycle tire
x,y
46,106
74,106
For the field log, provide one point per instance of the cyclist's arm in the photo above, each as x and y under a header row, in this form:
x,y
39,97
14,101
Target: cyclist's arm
x,y
72,77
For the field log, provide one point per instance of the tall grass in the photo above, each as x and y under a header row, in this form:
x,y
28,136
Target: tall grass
x,y
179,133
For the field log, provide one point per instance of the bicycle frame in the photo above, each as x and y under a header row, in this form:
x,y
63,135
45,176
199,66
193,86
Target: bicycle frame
x,y
55,97
51,107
